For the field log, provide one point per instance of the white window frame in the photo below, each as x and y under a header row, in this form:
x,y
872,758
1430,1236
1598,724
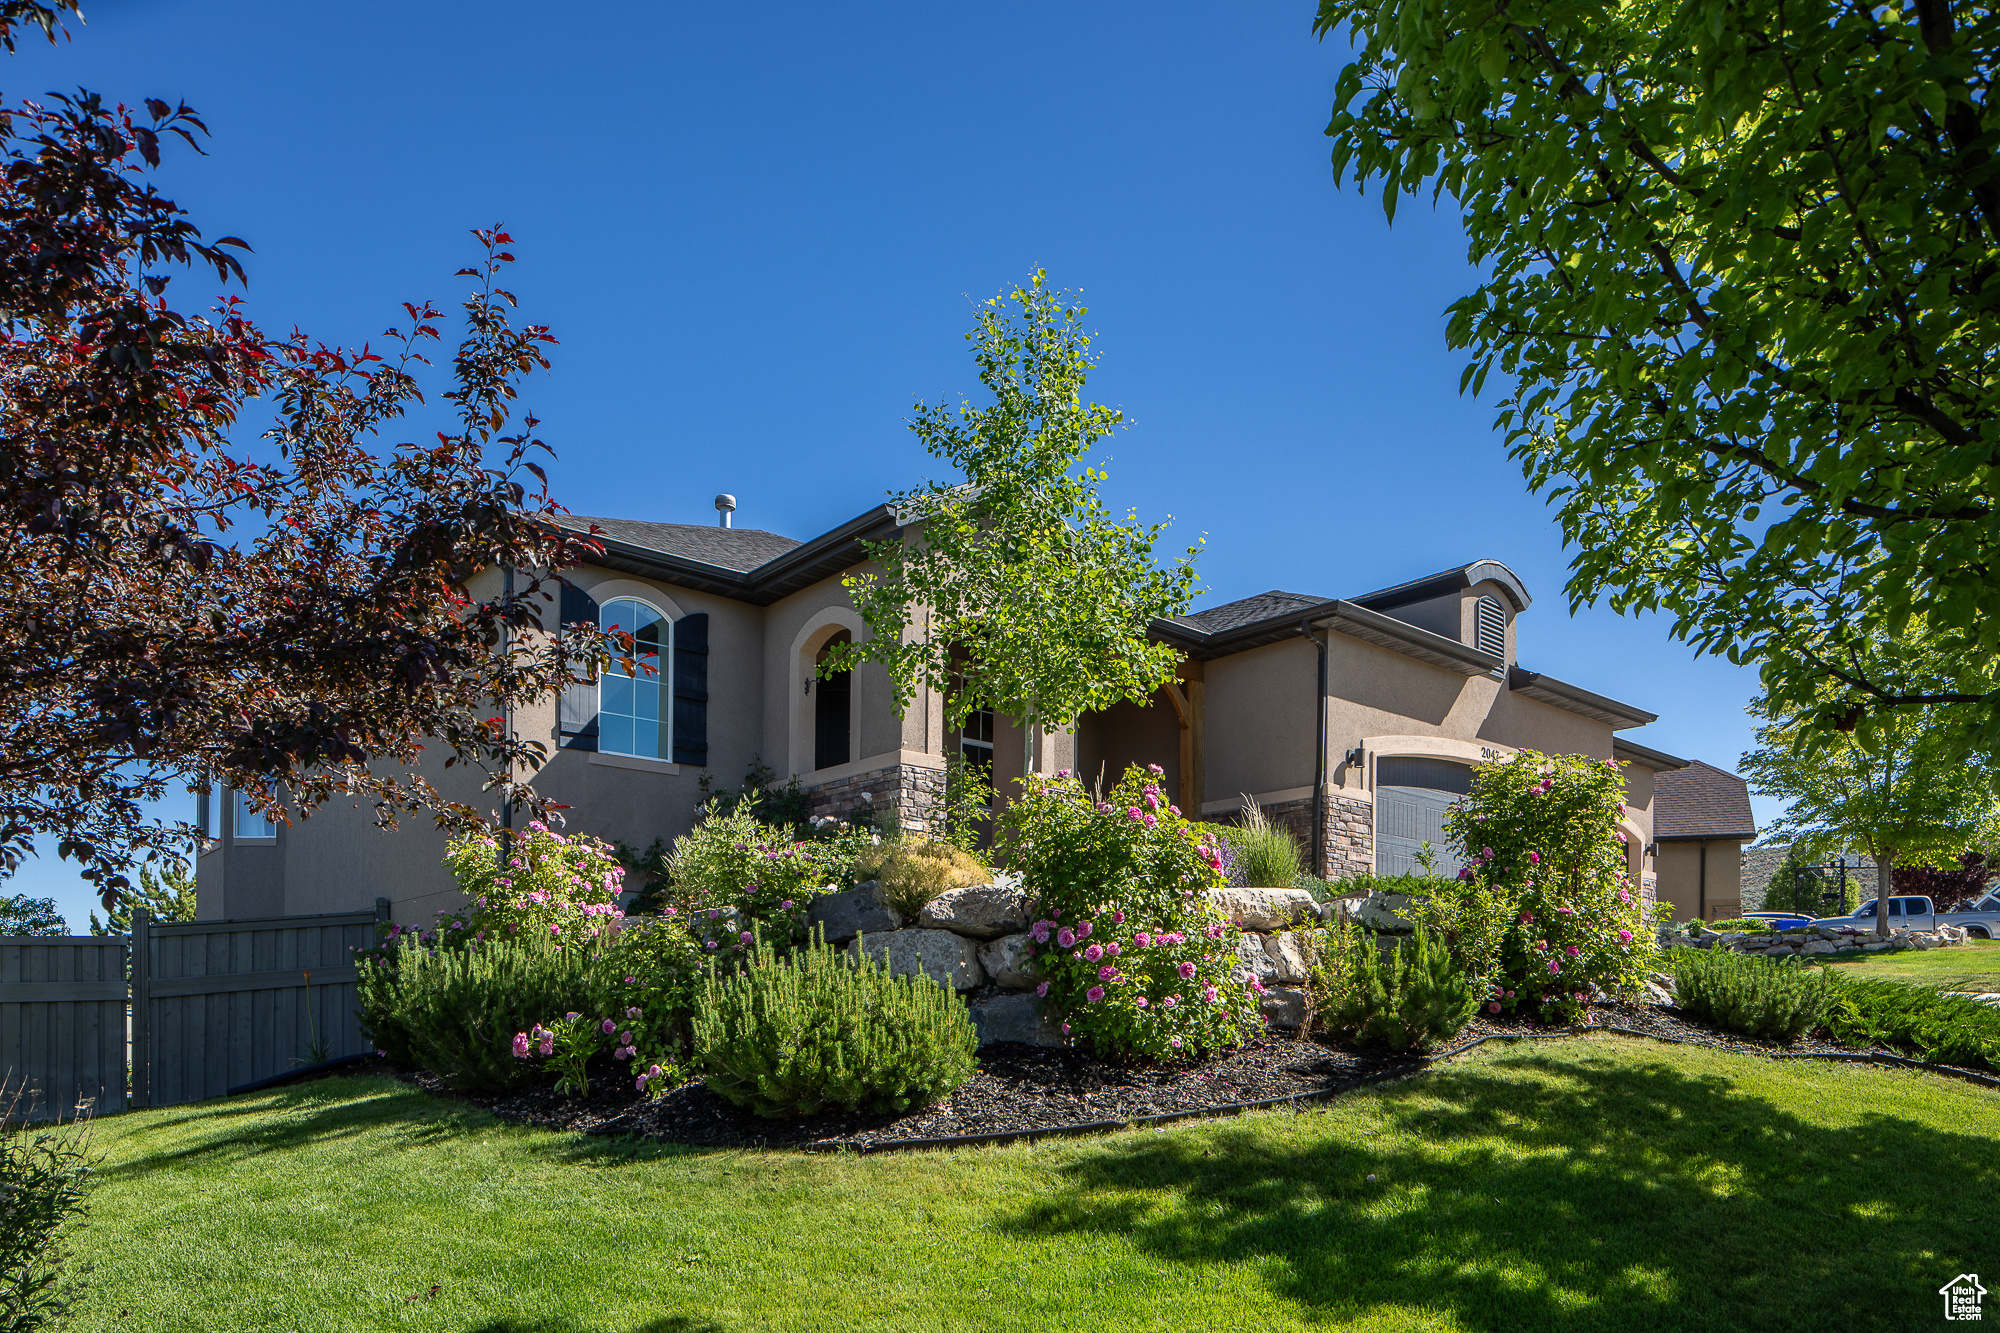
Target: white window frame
x,y
246,823
665,678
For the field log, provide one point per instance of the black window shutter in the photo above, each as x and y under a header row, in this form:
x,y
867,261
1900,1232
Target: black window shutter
x,y
691,690
576,717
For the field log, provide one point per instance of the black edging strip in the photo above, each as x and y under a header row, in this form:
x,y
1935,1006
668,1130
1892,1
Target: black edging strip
x,y
1418,1065
304,1071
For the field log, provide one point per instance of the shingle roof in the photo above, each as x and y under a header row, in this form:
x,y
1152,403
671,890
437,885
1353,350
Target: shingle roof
x,y
1264,606
1702,801
726,548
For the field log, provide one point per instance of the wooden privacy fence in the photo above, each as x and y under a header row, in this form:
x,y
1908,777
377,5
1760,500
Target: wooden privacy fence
x,y
207,1006
216,1004
62,1025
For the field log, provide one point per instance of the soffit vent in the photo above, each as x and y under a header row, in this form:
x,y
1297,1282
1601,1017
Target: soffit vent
x,y
1489,627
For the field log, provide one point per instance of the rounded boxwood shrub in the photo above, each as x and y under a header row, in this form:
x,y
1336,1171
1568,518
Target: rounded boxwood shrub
x,y
817,1028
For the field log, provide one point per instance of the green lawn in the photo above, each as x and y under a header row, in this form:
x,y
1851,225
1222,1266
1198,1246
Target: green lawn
x,y
1600,1184
1974,965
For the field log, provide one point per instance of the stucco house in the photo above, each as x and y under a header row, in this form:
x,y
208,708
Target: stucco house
x,y
1701,823
1355,721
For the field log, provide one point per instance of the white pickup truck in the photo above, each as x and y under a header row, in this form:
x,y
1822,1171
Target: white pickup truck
x,y
1981,919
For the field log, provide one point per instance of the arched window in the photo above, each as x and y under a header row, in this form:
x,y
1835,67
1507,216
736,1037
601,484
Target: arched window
x,y
833,712
631,718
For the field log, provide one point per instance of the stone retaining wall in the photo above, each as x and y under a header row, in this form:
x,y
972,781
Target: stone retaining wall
x,y
975,941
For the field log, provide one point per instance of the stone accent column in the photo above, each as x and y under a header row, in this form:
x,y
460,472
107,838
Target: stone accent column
x,y
914,792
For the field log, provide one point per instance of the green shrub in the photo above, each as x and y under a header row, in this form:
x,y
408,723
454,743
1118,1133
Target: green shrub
x,y
455,1011
1758,997
910,872
817,1028
44,1172
730,861
1948,1029
1409,1002
1744,925
1267,856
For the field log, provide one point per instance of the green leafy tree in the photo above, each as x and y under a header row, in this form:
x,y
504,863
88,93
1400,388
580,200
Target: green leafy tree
x,y
1907,796
1740,280
166,892
1016,589
22,915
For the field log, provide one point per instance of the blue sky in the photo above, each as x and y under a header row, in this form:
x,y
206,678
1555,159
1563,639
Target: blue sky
x,y
759,232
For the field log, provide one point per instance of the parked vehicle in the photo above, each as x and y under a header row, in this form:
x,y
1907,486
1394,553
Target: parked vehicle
x,y
1981,919
1780,920
1911,913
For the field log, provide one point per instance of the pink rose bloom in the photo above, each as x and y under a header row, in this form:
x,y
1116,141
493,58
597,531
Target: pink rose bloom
x,y
1152,801
1114,948
1065,1029
520,1045
609,1026
624,1039
1065,937
1094,994
1107,973
1493,1007
1541,946
1157,770
1527,918
1152,822
1118,918
1174,810
746,937
1042,989
1093,953
1624,897
1624,937
1555,968
1141,1002
641,1081
1534,858
1170,1001
785,906
1135,814
1062,772
1040,932
1142,939
548,1046
1209,993
1186,970
1174,1042
1572,951
1083,931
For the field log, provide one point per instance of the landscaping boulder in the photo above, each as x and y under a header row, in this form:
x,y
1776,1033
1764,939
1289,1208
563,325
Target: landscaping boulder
x,y
948,959
1009,963
983,911
1286,956
1283,1006
844,915
1385,912
1252,960
1266,909
1820,946
1014,1018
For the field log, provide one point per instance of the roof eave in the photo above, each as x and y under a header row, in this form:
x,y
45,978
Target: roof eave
x,y
1342,617
775,579
1575,699
1657,760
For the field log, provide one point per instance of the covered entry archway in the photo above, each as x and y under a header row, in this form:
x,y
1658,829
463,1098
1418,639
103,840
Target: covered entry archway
x,y
1411,797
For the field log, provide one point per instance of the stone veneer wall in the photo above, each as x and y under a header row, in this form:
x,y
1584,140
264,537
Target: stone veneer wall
x,y
915,793
1349,830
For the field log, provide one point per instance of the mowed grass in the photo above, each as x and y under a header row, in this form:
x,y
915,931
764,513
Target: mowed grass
x,y
1974,965
1597,1184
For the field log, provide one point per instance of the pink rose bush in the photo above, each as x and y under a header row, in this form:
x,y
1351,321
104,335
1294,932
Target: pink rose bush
x,y
732,874
1546,909
1131,876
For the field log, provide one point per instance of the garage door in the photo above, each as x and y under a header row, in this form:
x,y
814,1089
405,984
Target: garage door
x,y
1411,798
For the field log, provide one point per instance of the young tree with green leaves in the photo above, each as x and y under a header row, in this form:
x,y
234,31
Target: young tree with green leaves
x,y
1015,588
22,915
1740,283
165,891
1906,796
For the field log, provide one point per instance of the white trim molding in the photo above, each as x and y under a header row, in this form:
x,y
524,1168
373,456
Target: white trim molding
x,y
637,763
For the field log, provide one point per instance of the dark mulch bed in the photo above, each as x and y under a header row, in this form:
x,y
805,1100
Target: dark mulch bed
x,y
1021,1089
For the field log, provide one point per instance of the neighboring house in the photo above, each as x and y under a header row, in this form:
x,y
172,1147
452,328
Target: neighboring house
x,y
1701,820
1354,722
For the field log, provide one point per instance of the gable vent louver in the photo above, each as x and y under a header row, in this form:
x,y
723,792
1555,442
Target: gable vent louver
x,y
1489,627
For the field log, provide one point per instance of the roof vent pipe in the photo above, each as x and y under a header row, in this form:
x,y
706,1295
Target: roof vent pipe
x,y
725,505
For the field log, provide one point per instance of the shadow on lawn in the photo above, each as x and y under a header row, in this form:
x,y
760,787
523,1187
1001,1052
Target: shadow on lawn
x,y
1580,1192
675,1323
329,1110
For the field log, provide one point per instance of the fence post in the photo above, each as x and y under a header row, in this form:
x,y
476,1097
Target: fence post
x,y
142,1008
382,909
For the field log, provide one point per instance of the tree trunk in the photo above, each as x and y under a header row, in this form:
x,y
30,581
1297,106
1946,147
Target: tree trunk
x,y
1885,877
